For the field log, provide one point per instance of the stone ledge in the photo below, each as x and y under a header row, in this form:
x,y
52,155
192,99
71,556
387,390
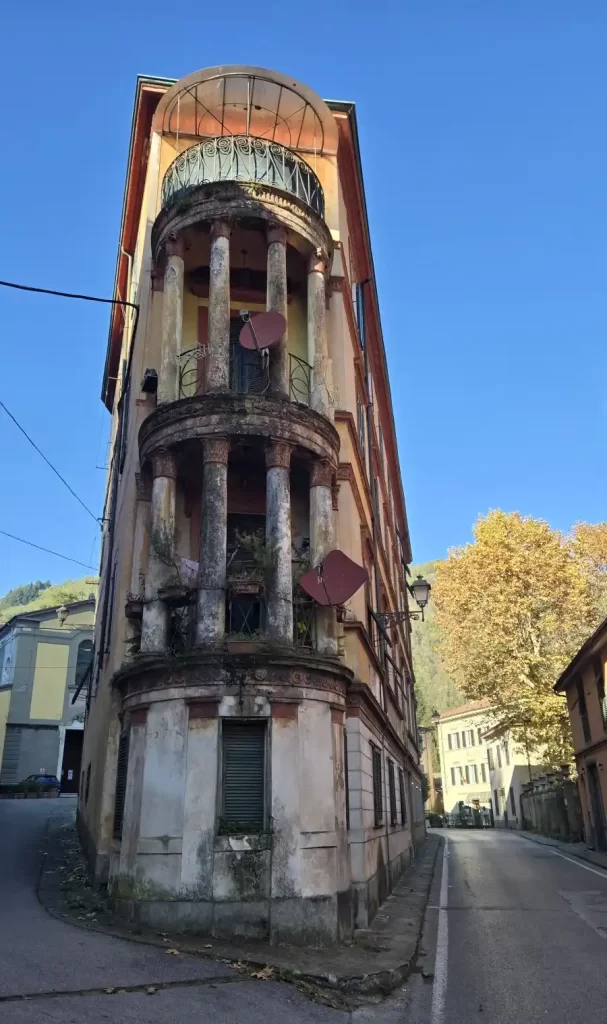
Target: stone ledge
x,y
200,416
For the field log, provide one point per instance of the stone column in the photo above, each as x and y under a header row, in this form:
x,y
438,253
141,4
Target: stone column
x,y
210,617
277,302
172,323
161,553
321,542
218,358
317,335
278,541
141,532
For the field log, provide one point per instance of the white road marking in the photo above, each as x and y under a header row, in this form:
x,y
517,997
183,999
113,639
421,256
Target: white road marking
x,y
439,988
578,864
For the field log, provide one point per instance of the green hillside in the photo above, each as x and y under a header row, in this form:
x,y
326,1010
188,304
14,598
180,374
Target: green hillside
x,y
31,596
433,687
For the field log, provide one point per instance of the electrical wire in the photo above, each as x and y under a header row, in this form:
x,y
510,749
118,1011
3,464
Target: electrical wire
x,y
48,462
84,298
48,550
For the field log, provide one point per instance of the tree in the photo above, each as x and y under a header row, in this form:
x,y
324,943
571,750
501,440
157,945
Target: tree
x,y
512,609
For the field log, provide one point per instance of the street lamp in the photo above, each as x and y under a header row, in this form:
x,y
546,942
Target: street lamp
x,y
420,589
62,614
420,592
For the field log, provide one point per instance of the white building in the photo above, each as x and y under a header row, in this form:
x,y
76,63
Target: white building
x,y
481,765
463,756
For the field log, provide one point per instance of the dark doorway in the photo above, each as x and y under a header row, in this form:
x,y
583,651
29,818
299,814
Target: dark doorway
x,y
72,756
598,810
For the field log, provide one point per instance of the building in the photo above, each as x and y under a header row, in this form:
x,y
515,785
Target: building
x,y
463,756
45,660
583,684
251,756
481,764
428,754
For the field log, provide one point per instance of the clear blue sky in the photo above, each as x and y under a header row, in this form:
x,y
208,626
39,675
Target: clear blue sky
x,y
485,157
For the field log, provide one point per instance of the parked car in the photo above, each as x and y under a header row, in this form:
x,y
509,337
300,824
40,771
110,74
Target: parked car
x,y
44,780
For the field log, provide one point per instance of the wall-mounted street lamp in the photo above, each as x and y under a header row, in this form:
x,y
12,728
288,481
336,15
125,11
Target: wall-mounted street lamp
x,y
420,592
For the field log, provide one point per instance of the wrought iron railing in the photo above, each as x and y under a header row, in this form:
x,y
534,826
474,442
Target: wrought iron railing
x,y
190,371
300,380
243,158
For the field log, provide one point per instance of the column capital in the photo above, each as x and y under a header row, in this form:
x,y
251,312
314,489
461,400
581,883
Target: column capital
x,y
220,229
143,486
175,245
164,464
276,233
278,454
216,449
317,263
157,275
335,496
322,473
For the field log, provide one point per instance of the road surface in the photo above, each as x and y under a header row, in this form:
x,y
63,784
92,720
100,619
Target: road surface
x,y
521,936
514,934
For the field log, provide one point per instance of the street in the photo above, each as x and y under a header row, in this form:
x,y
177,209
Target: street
x,y
514,931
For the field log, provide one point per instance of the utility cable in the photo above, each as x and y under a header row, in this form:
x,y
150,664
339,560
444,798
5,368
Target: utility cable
x,y
48,462
48,550
84,298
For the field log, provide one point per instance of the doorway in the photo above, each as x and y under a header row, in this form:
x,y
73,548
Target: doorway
x,y
598,810
72,756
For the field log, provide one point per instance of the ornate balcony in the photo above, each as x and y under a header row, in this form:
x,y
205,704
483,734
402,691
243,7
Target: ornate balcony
x,y
247,159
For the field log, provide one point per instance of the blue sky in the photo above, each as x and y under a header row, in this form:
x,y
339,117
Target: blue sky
x,y
485,161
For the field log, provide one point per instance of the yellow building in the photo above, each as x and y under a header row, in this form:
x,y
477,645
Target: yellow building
x,y
248,748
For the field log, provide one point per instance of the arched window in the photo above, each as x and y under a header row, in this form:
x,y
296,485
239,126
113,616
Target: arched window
x,y
83,661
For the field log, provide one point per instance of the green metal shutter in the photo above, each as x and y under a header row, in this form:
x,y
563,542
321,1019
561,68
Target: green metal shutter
x,y
243,774
392,791
121,774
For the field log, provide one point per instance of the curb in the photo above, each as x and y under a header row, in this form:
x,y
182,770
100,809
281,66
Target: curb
x,y
380,982
554,844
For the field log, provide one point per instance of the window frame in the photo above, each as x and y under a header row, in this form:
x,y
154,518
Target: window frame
x,y
392,792
403,797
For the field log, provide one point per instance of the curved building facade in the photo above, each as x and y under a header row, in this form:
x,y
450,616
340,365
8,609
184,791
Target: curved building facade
x,y
250,758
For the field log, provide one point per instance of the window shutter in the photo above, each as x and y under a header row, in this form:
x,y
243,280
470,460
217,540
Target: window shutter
x,y
121,774
450,741
403,799
378,802
392,791
243,774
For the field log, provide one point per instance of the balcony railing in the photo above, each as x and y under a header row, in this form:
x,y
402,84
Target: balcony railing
x,y
249,373
243,158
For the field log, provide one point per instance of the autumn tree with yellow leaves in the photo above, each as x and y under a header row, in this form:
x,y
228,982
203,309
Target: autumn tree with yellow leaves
x,y
512,609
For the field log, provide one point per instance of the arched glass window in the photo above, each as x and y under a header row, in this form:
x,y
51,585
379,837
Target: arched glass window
x,y
83,661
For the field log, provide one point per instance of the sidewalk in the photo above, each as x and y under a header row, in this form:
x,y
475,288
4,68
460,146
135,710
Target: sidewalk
x,y
571,849
377,961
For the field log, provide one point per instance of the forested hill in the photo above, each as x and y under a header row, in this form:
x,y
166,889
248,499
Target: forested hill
x,y
433,687
31,596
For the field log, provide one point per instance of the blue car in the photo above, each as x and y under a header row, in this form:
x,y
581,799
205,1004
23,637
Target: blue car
x,y
45,780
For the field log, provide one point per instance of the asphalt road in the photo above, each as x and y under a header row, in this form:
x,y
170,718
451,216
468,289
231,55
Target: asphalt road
x,y
514,934
521,937
55,971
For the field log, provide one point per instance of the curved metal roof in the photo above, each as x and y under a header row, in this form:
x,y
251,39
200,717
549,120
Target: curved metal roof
x,y
235,99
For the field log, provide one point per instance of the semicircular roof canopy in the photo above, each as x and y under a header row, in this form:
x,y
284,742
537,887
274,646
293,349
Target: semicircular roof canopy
x,y
240,100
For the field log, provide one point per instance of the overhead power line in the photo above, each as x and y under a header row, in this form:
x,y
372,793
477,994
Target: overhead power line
x,y
48,550
84,298
48,462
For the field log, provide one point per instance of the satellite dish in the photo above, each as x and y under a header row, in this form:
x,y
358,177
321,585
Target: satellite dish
x,y
262,331
334,580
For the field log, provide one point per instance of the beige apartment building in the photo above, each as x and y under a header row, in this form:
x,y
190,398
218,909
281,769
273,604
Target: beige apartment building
x,y
252,758
481,764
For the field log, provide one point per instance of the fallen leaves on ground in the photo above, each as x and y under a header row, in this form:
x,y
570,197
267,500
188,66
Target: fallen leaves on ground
x,y
264,974
173,952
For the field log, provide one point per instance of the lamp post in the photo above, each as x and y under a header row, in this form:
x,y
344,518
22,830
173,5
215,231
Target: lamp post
x,y
420,592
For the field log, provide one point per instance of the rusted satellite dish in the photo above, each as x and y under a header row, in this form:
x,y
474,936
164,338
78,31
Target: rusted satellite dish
x,y
334,580
263,330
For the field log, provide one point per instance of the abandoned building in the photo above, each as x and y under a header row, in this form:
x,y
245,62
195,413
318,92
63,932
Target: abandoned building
x,y
251,756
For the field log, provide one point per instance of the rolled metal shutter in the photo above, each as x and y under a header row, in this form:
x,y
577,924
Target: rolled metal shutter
x,y
121,774
243,773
